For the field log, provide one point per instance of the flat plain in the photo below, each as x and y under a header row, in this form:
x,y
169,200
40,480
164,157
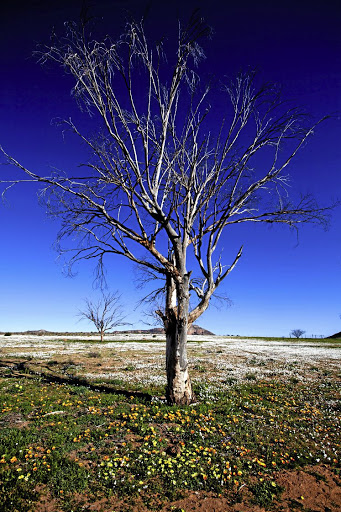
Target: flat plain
x,y
84,425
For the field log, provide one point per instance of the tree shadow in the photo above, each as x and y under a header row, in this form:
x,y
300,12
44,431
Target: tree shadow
x,y
25,368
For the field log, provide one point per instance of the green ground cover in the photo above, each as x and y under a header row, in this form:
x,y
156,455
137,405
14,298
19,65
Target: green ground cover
x,y
332,341
78,446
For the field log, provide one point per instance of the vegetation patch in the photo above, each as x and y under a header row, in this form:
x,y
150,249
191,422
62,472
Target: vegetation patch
x,y
74,444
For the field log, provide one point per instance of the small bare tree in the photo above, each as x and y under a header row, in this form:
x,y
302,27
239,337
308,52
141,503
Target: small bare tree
x,y
297,333
165,178
105,314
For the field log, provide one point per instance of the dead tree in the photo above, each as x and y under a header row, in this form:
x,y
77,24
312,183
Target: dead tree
x,y
165,178
105,314
297,333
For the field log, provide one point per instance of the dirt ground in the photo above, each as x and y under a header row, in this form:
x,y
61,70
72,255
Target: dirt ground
x,y
316,489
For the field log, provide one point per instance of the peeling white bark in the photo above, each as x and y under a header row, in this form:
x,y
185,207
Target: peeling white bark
x,y
179,388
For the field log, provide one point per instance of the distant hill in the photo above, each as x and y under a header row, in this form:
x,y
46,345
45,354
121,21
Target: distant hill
x,y
193,330
196,329
337,335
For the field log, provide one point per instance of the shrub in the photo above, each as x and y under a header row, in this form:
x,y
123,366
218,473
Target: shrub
x,y
94,354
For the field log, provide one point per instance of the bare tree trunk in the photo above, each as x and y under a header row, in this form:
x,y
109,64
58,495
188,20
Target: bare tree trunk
x,y
179,387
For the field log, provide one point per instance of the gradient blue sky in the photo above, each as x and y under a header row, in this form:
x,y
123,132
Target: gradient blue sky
x,y
278,285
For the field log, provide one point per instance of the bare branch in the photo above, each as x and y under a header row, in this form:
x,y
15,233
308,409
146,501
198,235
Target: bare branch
x,y
164,180
105,314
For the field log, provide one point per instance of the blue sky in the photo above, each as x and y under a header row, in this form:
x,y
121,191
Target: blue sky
x,y
278,284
